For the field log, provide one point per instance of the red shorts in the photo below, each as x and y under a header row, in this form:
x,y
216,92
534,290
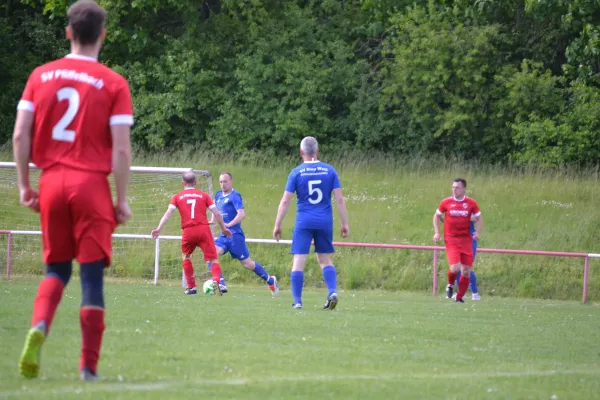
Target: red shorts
x,y
77,216
199,236
460,252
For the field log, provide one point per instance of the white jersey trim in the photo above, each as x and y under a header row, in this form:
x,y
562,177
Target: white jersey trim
x,y
121,119
478,214
438,212
212,206
80,57
172,207
25,105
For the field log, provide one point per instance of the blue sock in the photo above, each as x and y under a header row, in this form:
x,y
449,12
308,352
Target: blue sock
x,y
222,281
329,276
262,274
297,281
474,288
457,279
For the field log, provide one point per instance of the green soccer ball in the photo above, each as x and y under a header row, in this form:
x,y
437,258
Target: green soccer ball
x,y
207,288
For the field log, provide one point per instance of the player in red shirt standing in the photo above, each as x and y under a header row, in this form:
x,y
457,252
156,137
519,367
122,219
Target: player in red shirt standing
x,y
192,205
459,242
73,122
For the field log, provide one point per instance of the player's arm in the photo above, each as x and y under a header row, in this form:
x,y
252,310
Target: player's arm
x,y
22,137
284,205
437,217
238,204
217,215
340,202
163,221
478,218
121,157
241,214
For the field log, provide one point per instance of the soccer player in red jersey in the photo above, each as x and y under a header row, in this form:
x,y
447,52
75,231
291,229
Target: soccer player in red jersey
x,y
192,205
73,121
458,210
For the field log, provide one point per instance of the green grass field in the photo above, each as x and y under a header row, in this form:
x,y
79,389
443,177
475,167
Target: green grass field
x,y
389,201
161,344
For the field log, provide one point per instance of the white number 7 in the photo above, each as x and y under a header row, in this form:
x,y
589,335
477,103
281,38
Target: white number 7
x,y
193,203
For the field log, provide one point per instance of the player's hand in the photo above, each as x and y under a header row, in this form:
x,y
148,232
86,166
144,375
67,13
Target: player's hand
x,y
277,233
475,236
155,233
436,238
122,212
345,230
226,231
30,198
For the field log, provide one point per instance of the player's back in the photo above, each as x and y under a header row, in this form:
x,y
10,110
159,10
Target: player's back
x,y
192,205
313,183
75,100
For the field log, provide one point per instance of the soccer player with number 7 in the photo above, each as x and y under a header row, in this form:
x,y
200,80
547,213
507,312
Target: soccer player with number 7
x,y
73,122
192,204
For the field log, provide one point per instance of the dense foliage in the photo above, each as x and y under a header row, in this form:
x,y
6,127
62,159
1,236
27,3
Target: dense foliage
x,y
500,80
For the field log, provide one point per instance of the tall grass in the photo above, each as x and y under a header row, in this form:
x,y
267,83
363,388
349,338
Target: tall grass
x,y
392,201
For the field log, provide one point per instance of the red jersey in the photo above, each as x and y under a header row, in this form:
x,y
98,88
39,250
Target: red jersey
x,y
458,217
192,205
75,100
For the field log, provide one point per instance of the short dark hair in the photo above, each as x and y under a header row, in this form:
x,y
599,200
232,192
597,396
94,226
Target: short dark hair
x,y
227,173
86,19
461,180
189,178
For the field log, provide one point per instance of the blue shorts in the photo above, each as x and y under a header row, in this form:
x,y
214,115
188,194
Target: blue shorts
x,y
474,249
235,245
302,239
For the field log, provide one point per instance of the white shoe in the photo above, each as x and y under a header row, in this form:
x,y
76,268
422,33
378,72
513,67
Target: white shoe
x,y
274,288
475,296
454,296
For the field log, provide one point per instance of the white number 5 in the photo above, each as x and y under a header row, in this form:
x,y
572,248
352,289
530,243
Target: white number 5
x,y
193,203
312,190
59,132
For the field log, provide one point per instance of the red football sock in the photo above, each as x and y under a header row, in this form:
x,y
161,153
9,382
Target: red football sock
x,y
46,301
216,271
92,328
452,277
463,285
188,271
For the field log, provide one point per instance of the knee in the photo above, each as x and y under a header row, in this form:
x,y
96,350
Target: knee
x,y
92,282
61,271
187,257
324,260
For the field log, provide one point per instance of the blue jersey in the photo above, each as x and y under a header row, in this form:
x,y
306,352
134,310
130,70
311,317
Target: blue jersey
x,y
472,228
313,183
228,205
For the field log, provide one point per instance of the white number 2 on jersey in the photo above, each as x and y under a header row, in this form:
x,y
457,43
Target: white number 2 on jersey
x,y
312,190
59,132
193,203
